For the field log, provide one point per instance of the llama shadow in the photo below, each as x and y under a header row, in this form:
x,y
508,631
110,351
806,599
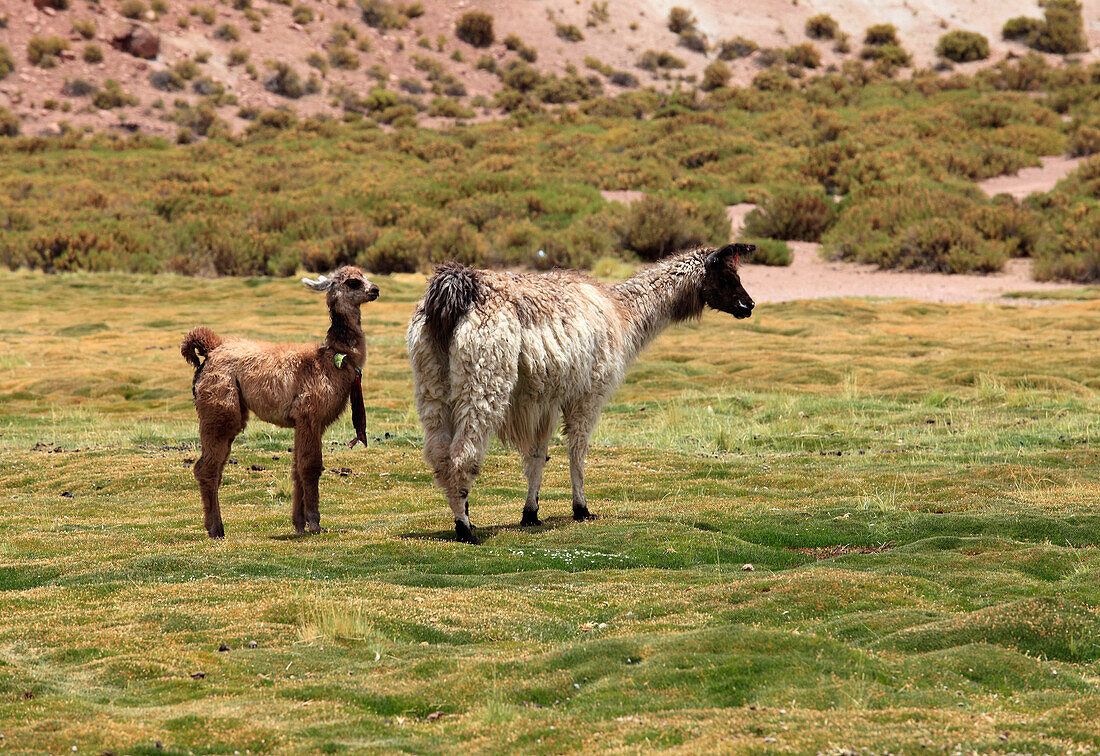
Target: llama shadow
x,y
486,532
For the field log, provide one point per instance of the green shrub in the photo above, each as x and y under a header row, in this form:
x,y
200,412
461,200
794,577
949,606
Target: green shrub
x,y
445,107
881,34
770,252
659,226
9,123
93,54
912,224
382,15
796,214
1063,29
693,41
238,56
458,241
520,76
43,51
738,47
892,55
568,32
133,8
227,33
78,88
167,80
963,46
285,81
7,63
946,245
475,28
207,14
805,55
396,250
85,28
681,20
112,96
341,57
1021,28
716,75
651,60
822,26
513,42
1085,141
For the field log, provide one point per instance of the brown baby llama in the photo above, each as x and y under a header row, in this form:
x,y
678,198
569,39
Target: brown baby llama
x,y
300,386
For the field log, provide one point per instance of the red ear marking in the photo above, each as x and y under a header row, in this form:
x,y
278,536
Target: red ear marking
x,y
736,258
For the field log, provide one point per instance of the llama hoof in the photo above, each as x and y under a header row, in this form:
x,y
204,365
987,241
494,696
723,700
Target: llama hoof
x,y
580,514
530,519
464,533
217,532
315,528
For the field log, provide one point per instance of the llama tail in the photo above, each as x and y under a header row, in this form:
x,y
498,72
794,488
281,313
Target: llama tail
x,y
453,290
199,343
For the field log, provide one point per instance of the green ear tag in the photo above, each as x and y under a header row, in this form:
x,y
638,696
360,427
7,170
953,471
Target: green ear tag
x,y
338,360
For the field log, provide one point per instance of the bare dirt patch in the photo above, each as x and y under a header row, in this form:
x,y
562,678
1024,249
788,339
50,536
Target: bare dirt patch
x,y
1028,180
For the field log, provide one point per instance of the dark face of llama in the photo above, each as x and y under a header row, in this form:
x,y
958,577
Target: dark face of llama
x,y
722,287
346,285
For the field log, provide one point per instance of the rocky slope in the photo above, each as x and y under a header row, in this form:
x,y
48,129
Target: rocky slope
x,y
176,55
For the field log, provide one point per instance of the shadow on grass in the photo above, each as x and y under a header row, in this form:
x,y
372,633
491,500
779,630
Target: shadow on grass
x,y
484,533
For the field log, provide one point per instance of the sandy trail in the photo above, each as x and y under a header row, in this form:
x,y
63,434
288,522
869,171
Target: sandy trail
x,y
811,277
1028,180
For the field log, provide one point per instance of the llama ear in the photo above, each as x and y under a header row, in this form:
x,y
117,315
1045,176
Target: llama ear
x,y
736,250
323,283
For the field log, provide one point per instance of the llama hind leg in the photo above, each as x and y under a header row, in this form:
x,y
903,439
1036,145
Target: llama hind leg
x,y
579,423
534,462
216,435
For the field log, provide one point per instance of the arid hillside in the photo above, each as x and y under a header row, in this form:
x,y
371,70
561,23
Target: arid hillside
x,y
170,66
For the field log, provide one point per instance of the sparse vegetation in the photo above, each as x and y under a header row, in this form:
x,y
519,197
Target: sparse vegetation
x,y
715,75
568,32
475,28
792,215
1062,30
738,47
881,34
681,20
652,60
113,96
526,52
133,8
92,54
44,51
382,15
7,62
822,26
963,46
227,33
84,27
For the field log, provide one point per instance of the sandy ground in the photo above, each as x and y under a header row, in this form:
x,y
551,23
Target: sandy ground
x,y
811,277
1028,180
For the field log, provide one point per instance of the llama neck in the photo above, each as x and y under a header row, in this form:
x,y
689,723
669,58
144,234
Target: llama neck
x,y
345,335
668,292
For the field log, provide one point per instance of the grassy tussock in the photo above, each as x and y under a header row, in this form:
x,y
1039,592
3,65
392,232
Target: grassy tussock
x,y
954,445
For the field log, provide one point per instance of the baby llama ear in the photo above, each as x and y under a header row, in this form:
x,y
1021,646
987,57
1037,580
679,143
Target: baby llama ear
x,y
323,283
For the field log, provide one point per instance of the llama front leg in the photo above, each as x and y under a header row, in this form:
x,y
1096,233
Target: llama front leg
x,y
578,429
306,514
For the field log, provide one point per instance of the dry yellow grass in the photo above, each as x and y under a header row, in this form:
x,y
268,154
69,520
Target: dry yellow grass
x,y
957,442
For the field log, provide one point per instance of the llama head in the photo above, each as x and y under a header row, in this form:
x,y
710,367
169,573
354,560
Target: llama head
x,y
346,286
722,287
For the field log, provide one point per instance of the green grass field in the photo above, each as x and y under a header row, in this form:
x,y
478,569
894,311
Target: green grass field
x,y
915,485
